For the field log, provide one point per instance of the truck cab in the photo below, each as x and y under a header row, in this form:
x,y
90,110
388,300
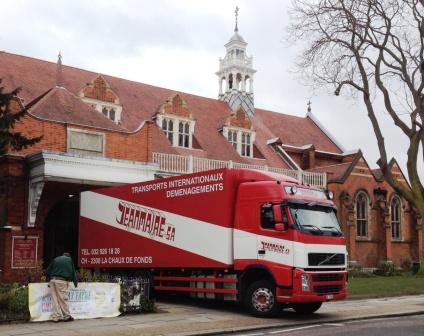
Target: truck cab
x,y
289,245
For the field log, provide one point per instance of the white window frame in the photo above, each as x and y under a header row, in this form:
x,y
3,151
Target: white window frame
x,y
184,134
246,145
241,145
168,128
232,138
177,120
99,105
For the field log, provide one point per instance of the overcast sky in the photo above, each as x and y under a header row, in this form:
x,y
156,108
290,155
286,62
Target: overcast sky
x,y
177,44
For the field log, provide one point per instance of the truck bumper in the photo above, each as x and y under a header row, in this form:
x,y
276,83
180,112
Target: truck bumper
x,y
314,287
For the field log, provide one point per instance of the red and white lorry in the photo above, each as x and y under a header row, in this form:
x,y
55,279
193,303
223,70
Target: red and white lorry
x,y
256,237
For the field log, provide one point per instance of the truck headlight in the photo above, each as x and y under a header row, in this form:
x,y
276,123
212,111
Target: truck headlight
x,y
305,282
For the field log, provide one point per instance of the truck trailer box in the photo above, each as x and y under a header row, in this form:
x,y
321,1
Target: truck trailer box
x,y
182,221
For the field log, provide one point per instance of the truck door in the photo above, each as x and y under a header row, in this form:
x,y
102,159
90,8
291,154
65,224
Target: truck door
x,y
274,241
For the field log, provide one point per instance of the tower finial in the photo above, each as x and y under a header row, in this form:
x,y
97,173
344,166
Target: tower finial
x,y
309,106
59,71
236,12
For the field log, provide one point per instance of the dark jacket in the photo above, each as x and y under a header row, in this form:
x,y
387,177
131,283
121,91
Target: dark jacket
x,y
62,267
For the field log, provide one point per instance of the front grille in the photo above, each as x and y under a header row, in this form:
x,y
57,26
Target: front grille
x,y
330,289
324,269
327,277
321,259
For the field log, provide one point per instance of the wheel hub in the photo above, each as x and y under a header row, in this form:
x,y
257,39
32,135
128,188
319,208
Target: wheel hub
x,y
263,299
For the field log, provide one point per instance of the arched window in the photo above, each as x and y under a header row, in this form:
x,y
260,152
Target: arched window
x,y
248,85
223,85
395,214
230,82
232,138
112,114
168,128
105,111
245,144
183,134
361,205
238,82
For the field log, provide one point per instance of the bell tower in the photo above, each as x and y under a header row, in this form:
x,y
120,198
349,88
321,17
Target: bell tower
x,y
236,73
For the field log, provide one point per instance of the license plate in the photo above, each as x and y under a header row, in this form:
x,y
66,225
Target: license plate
x,y
329,297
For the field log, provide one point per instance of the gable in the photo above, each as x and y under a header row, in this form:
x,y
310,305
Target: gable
x,y
99,89
397,173
176,105
362,169
239,119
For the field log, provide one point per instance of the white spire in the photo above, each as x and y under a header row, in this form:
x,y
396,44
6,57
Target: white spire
x,y
236,73
236,12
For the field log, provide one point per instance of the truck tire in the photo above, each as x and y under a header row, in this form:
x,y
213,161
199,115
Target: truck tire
x,y
260,299
306,308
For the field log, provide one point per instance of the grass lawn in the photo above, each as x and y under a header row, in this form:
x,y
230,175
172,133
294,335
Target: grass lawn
x,y
380,286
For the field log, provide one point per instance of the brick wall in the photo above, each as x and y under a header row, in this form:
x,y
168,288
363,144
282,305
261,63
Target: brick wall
x,y
374,248
13,202
125,146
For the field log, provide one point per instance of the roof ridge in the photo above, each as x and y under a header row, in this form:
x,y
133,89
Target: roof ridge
x,y
280,113
64,65
141,83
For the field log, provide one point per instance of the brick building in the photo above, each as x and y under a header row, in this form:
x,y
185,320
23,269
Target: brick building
x,y
100,130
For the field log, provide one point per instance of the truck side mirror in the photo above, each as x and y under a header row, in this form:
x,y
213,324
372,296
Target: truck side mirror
x,y
278,218
276,209
280,227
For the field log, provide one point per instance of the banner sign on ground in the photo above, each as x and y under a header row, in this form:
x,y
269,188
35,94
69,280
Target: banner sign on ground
x,y
89,300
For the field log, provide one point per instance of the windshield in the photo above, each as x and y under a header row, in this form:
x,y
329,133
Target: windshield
x,y
316,219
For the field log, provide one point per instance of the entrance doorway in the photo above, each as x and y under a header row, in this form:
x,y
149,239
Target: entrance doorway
x,y
61,230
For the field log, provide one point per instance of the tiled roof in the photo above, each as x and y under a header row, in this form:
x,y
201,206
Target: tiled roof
x,y
60,105
141,102
296,131
335,172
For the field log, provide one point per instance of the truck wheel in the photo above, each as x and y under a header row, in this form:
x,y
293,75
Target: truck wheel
x,y
260,299
306,308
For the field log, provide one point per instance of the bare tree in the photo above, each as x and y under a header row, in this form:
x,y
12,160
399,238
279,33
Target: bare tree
x,y
374,48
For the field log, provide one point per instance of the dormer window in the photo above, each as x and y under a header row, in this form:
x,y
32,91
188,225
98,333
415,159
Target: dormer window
x,y
112,114
245,144
101,97
109,112
239,132
178,130
176,121
241,140
184,134
168,128
232,138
